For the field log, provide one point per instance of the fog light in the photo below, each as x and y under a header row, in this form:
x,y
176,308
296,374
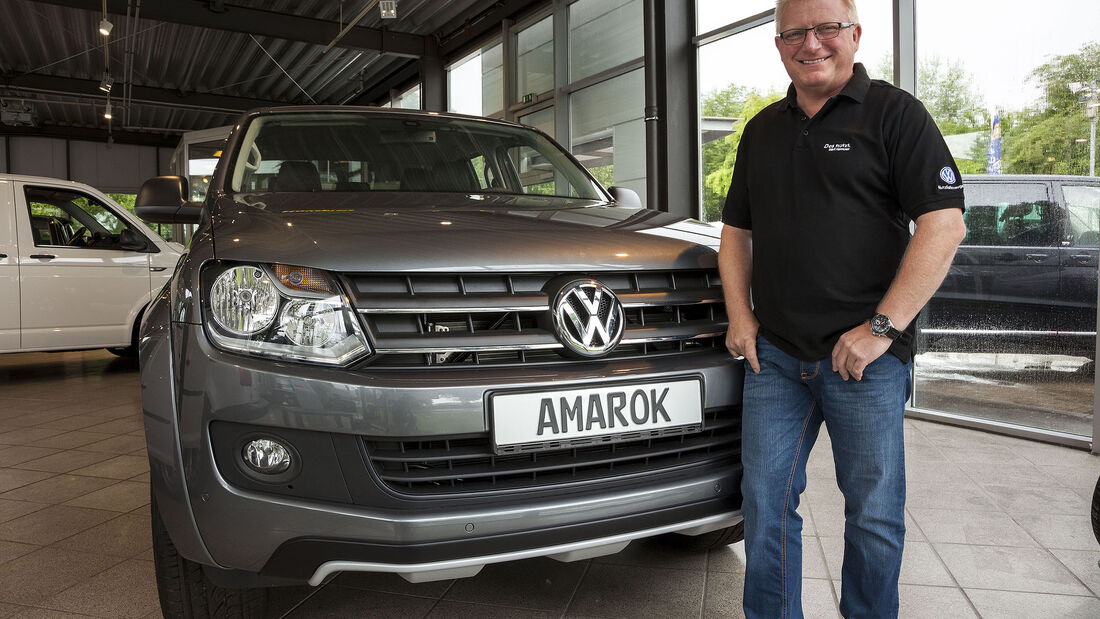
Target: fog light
x,y
266,456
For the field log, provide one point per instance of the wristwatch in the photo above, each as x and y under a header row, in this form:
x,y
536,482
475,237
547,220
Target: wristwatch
x,y
882,327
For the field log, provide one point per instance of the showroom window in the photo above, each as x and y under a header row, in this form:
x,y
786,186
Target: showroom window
x,y
603,34
535,59
475,84
1011,336
608,137
408,100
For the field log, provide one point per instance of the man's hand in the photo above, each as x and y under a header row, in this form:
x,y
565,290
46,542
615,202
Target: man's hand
x,y
741,340
856,350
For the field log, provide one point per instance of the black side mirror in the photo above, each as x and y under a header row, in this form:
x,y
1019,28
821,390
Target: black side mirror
x,y
163,200
625,197
132,241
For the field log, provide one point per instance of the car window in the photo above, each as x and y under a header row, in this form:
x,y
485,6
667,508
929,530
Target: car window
x,y
65,218
1011,214
1083,203
305,152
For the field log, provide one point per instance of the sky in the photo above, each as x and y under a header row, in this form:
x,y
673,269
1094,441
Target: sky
x,y
998,42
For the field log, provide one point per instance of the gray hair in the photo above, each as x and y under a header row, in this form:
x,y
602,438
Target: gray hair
x,y
781,7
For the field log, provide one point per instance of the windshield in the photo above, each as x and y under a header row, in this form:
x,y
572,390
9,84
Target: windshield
x,y
337,151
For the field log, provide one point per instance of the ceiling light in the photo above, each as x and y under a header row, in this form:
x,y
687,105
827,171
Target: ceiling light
x,y
105,27
107,81
388,9
107,111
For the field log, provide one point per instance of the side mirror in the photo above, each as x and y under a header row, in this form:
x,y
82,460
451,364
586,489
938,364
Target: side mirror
x,y
625,197
132,241
163,200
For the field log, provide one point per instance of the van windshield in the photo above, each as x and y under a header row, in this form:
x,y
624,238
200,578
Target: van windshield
x,y
341,152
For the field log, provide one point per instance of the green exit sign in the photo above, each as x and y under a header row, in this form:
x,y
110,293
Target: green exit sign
x,y
528,98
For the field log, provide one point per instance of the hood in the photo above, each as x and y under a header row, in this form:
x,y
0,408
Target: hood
x,y
358,232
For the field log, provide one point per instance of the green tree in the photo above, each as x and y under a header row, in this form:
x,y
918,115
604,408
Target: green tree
x,y
1044,140
720,155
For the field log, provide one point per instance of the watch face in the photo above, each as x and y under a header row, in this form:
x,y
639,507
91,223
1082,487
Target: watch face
x,y
880,324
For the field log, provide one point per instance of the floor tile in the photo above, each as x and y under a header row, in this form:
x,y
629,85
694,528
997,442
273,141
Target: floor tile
x,y
986,528
44,573
122,444
57,489
119,467
924,602
1085,564
12,455
63,461
51,524
392,583
728,559
447,609
818,599
1067,532
72,440
336,601
919,563
127,535
15,478
1048,500
126,590
1008,569
539,584
13,509
121,497
724,596
627,591
14,550
1012,605
663,551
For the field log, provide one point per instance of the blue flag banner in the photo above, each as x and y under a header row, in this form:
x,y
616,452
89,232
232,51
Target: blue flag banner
x,y
993,153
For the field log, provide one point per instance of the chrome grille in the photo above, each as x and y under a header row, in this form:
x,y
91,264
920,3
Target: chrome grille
x,y
469,465
479,319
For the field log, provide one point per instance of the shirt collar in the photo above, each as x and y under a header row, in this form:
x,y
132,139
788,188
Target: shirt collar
x,y
856,89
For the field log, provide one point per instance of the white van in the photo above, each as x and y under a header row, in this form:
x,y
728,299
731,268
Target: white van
x,y
76,269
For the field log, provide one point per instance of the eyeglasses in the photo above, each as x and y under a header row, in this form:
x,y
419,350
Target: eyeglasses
x,y
823,32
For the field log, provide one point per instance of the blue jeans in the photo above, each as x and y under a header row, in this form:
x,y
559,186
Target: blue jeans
x,y
784,406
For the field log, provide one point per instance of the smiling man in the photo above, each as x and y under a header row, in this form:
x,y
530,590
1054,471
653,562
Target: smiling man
x,y
823,284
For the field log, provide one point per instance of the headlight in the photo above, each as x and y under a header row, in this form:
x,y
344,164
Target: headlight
x,y
283,312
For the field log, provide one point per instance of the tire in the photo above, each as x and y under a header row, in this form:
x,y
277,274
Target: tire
x,y
714,539
1096,511
186,593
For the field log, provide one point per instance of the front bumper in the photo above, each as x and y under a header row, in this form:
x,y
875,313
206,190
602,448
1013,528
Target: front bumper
x,y
347,519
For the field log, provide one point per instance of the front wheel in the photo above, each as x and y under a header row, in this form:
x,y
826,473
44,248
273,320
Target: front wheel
x,y
186,593
1096,511
714,539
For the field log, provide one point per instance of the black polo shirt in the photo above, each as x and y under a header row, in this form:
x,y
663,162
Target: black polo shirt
x,y
829,200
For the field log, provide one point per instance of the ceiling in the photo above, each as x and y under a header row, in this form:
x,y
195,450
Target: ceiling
x,y
183,65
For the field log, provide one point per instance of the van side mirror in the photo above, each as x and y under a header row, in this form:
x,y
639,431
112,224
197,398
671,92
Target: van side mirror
x,y
625,197
163,200
129,240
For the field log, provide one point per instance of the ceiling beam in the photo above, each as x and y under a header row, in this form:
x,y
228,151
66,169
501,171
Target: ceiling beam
x,y
74,87
92,134
259,22
462,32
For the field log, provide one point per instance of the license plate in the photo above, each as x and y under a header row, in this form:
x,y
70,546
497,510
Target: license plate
x,y
534,419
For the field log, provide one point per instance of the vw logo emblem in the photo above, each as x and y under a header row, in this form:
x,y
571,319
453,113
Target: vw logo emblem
x,y
947,175
588,318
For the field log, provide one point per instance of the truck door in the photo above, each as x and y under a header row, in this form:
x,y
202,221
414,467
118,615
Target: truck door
x,y
1079,255
1005,274
79,288
9,271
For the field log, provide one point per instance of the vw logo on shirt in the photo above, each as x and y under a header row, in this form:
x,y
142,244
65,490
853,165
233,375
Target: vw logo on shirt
x,y
588,318
947,175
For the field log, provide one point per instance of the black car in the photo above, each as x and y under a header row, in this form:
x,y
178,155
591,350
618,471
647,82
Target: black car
x,y
1024,278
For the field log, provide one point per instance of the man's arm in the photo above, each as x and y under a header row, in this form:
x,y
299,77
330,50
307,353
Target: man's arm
x,y
735,267
926,262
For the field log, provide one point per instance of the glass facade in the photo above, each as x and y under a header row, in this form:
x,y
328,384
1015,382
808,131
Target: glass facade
x,y
475,84
535,59
603,34
608,134
1011,335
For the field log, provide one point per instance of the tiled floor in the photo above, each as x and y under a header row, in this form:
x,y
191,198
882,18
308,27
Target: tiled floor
x,y
998,527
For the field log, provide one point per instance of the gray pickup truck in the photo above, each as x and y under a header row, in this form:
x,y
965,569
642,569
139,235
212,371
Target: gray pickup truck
x,y
421,343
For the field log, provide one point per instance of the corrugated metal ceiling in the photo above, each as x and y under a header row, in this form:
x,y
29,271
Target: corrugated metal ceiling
x,y
171,77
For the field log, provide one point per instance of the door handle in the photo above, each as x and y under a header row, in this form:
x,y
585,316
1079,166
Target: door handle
x,y
1081,257
3,255
43,256
1037,257
157,269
